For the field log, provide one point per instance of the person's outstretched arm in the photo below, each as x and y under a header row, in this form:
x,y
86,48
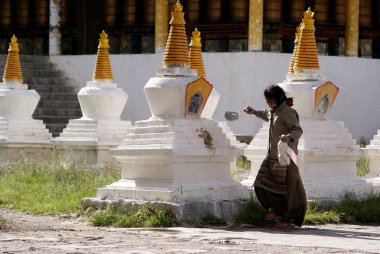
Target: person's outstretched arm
x,y
263,114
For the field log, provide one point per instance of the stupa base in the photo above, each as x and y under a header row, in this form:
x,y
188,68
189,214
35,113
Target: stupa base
x,y
88,142
23,130
326,159
185,212
372,152
14,152
166,161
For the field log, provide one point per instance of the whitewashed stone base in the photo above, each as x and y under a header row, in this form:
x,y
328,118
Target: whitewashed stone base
x,y
88,141
327,159
17,105
85,155
13,152
23,130
166,161
372,151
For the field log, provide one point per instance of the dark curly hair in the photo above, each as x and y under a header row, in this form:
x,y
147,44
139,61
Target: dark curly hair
x,y
277,93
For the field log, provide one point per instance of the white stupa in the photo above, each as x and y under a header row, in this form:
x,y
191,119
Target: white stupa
x,y
88,139
176,157
20,134
327,152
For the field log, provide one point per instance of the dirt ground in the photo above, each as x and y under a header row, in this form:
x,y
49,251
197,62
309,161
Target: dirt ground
x,y
24,233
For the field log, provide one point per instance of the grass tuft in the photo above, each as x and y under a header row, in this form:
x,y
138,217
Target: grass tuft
x,y
363,142
349,210
362,166
212,220
144,216
253,214
2,221
53,188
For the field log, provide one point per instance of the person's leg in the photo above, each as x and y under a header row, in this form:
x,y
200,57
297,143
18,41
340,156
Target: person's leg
x,y
296,197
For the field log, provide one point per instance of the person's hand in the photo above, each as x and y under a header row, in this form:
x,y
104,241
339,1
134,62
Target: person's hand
x,y
285,138
249,110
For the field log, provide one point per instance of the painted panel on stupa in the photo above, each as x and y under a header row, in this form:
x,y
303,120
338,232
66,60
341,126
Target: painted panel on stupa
x,y
197,94
324,99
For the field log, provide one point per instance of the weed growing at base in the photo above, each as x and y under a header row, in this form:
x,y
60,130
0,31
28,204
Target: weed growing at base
x,y
212,220
144,216
2,220
349,210
52,188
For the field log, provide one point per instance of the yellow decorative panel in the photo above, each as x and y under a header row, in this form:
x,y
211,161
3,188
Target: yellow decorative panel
x,y
324,98
197,94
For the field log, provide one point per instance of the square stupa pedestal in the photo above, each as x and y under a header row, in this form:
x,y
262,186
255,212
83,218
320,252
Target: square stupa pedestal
x,y
165,163
21,136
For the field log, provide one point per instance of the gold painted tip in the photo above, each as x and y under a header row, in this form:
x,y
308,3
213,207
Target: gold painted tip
x,y
196,38
13,45
178,6
103,41
308,14
178,17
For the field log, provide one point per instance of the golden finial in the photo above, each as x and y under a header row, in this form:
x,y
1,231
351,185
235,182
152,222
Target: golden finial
x,y
103,41
176,50
307,56
297,36
13,46
12,70
196,61
103,66
196,39
178,17
308,14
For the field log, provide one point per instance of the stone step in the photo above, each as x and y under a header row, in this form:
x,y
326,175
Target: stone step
x,y
60,112
55,128
53,88
47,81
42,73
52,119
58,104
58,96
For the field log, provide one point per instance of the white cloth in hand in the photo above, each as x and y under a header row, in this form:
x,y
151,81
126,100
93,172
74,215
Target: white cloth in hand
x,y
285,153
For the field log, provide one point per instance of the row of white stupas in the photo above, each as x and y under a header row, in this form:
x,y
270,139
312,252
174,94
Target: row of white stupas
x,y
180,157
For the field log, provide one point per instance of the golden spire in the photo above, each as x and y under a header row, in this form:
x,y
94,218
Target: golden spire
x,y
307,56
102,66
291,66
176,51
12,70
196,61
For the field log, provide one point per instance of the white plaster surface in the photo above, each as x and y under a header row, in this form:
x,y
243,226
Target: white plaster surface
x,y
165,160
17,105
87,140
240,78
101,100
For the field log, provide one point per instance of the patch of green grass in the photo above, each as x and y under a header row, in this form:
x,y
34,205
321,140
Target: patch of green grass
x,y
349,210
242,162
212,220
364,211
50,188
362,166
144,216
253,214
363,142
2,220
240,168
315,215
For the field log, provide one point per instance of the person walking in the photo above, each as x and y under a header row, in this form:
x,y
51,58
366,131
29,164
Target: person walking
x,y
279,188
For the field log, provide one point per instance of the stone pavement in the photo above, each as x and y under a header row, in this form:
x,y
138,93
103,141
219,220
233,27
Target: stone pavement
x,y
52,234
